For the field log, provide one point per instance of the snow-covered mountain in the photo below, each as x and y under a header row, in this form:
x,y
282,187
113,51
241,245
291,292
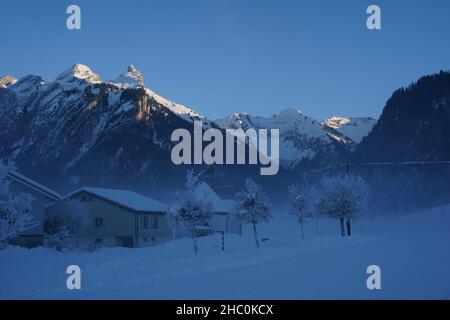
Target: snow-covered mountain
x,y
76,124
133,78
117,132
355,128
77,74
301,137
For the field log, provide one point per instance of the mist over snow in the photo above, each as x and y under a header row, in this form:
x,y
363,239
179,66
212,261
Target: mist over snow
x,y
411,250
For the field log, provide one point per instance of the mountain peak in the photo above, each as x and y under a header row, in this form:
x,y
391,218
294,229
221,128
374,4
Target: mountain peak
x,y
132,68
289,114
80,72
6,81
133,78
336,122
355,128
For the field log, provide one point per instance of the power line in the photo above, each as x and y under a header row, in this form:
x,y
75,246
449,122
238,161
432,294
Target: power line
x,y
400,163
348,164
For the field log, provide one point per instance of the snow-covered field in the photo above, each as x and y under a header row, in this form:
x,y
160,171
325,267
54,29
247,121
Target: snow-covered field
x,y
413,252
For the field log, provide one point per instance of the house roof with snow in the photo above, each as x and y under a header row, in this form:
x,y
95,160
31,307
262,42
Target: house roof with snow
x,y
125,198
36,186
204,191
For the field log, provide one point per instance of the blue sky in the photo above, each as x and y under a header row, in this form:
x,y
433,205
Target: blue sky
x,y
219,56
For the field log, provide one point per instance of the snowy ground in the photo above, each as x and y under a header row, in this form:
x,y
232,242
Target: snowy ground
x,y
413,252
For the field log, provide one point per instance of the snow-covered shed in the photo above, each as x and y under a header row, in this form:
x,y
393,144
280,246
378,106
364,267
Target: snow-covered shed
x,y
223,218
42,197
121,218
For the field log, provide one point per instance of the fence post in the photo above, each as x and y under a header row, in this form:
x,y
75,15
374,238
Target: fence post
x,y
223,240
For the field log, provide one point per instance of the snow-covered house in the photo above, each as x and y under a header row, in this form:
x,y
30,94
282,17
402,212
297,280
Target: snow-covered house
x,y
121,218
42,197
223,218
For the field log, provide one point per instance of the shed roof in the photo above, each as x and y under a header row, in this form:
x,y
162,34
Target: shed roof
x,y
219,205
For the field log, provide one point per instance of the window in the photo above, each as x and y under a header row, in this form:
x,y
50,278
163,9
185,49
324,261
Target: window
x,y
98,241
145,239
98,222
155,223
144,222
153,239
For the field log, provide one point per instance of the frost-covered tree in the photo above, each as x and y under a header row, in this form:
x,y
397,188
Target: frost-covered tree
x,y
191,210
62,221
15,210
300,203
253,206
343,197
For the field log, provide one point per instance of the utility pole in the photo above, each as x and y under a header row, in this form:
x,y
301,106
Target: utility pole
x,y
347,172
